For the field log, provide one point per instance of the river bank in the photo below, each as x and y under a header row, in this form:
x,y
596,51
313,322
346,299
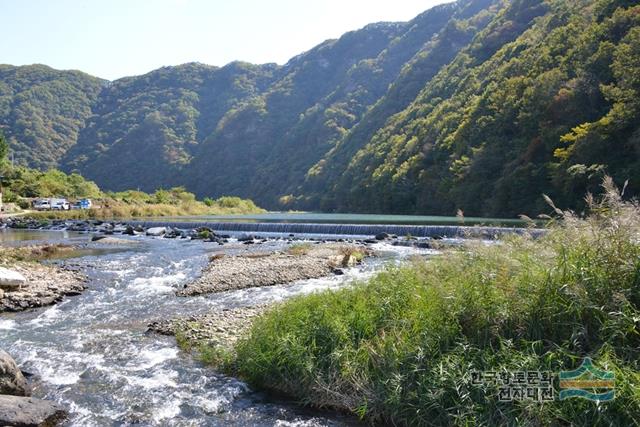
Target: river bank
x,y
423,343
218,329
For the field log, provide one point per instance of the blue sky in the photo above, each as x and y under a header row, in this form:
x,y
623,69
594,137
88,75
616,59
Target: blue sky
x,y
117,38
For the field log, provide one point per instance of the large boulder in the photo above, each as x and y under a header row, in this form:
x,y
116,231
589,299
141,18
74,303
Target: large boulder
x,y
156,231
29,411
11,379
10,279
172,233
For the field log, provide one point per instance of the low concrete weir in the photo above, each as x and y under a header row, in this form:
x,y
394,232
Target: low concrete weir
x,y
433,231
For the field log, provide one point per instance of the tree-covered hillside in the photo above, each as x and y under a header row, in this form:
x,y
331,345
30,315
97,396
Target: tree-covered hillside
x,y
428,41
479,105
544,100
272,141
145,129
42,110
465,20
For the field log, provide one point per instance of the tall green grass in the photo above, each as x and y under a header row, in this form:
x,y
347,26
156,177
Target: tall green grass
x,y
401,348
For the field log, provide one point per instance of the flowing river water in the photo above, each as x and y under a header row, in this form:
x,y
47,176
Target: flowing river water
x,y
91,353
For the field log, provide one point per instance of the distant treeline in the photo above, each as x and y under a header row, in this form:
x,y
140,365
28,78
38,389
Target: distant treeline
x,y
21,185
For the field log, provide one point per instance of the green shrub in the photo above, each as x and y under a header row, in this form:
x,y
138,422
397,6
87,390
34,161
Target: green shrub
x,y
213,355
25,182
401,348
204,234
236,203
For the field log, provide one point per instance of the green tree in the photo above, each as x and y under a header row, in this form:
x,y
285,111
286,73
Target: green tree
x,y
4,148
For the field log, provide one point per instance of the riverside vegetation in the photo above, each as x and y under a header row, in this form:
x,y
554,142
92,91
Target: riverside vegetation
x,y
23,184
401,347
172,202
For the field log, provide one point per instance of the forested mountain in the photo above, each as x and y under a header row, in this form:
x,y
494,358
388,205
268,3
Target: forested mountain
x,y
544,100
145,130
42,110
479,105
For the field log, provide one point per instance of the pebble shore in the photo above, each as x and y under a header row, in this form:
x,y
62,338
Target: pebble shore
x,y
45,285
221,328
226,273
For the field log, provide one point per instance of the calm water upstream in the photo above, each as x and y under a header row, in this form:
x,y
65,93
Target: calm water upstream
x,y
338,218
15,236
91,352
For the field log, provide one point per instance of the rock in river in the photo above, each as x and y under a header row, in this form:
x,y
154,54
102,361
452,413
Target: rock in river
x,y
108,240
11,379
10,279
29,411
156,231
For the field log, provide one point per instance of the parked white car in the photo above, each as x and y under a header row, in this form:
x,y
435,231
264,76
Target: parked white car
x,y
42,205
60,205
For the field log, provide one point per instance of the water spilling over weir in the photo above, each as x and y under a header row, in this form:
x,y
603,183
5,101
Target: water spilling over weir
x,y
433,231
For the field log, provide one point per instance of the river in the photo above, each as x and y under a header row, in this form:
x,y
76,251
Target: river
x,y
344,218
91,353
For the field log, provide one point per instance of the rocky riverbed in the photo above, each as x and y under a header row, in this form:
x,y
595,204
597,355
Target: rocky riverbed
x,y
221,328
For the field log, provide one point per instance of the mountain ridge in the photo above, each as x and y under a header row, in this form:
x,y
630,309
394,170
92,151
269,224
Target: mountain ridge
x,y
479,105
